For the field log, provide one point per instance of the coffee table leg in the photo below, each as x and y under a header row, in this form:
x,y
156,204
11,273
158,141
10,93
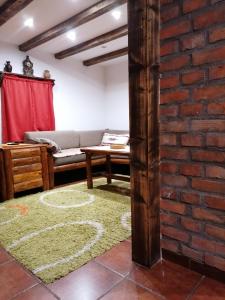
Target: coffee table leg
x,y
108,169
89,171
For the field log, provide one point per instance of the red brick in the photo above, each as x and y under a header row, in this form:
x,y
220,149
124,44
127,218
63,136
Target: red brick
x,y
169,82
175,233
166,167
179,181
191,140
193,77
174,63
174,96
215,15
168,193
208,125
169,13
180,27
168,111
174,153
165,2
208,245
216,108
168,139
217,72
209,92
174,126
208,186
215,232
190,5
169,245
217,34
216,140
169,48
208,56
215,202
195,255
211,156
172,206
206,215
191,109
190,198
168,219
215,172
190,224
193,41
190,169
215,261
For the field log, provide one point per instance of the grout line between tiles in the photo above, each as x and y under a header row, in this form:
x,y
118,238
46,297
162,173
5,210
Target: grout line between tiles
x,y
25,290
195,288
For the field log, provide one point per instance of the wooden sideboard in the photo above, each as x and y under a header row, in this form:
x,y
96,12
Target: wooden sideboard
x,y
22,167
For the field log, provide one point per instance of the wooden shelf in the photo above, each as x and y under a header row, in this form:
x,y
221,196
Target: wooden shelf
x,y
24,76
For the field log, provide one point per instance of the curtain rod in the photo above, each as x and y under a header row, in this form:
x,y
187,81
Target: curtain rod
x,y
24,76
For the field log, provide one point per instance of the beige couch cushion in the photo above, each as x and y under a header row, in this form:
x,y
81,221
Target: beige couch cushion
x,y
65,139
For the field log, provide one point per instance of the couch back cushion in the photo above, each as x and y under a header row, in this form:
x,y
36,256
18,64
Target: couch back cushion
x,y
65,139
90,137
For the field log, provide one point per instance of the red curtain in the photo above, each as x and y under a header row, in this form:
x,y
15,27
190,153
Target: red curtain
x,y
27,105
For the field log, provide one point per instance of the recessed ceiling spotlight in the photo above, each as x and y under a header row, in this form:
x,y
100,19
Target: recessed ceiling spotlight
x,y
29,23
116,14
71,35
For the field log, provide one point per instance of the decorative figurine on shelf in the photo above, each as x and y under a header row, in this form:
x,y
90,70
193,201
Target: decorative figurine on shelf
x,y
28,67
47,74
8,67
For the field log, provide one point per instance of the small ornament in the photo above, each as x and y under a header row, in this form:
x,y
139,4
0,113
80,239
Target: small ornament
x,y
28,67
8,67
47,74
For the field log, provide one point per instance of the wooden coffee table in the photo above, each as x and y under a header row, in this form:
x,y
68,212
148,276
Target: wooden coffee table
x,y
107,151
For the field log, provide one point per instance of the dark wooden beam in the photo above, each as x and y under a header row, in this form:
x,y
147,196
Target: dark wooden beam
x,y
105,57
83,17
143,36
99,40
10,8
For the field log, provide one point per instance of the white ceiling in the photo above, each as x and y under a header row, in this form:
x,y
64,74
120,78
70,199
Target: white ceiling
x,y
41,12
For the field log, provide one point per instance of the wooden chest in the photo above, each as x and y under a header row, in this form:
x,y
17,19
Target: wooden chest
x,y
22,167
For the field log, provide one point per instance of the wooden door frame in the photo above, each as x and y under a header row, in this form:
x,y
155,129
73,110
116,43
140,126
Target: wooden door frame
x,y
143,36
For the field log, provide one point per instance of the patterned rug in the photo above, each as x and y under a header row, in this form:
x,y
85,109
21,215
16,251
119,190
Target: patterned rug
x,y
55,232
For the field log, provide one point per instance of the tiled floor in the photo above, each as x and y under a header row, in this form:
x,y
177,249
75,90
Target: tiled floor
x,y
111,276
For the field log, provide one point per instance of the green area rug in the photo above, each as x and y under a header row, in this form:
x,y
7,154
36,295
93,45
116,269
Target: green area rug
x,y
55,232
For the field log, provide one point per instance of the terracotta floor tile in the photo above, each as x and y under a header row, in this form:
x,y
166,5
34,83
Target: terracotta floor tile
x,y
167,279
89,282
14,279
128,290
210,290
118,258
4,256
38,292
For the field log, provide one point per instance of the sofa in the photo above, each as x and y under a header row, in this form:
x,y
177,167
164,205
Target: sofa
x,y
64,148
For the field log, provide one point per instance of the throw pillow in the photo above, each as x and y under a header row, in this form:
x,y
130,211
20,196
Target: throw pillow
x,y
109,138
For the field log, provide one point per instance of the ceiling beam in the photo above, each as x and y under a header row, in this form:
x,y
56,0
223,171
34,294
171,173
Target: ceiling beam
x,y
99,40
10,8
105,57
83,17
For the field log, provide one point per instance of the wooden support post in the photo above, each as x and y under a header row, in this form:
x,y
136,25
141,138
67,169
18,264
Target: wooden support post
x,y
143,35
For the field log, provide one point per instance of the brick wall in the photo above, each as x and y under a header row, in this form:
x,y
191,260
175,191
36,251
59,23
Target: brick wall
x,y
193,129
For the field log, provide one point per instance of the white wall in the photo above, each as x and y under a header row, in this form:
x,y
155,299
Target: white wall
x,y
117,96
78,92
